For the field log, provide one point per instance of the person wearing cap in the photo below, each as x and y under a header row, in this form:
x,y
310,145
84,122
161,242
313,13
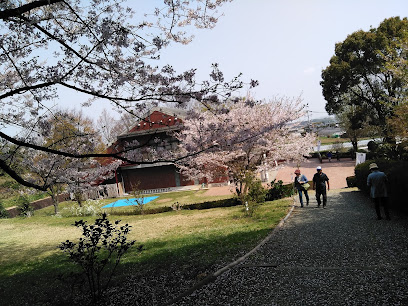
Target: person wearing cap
x,y
319,184
377,181
300,180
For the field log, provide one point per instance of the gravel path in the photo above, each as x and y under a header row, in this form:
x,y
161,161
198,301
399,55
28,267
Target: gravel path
x,y
340,255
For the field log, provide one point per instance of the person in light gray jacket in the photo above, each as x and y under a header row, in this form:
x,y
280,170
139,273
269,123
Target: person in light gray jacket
x,y
300,181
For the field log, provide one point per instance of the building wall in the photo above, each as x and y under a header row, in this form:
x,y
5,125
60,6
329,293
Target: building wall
x,y
153,178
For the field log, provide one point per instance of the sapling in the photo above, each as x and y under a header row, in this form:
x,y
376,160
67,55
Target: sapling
x,y
99,252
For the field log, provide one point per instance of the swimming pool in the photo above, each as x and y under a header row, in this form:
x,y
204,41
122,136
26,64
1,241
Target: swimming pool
x,y
128,202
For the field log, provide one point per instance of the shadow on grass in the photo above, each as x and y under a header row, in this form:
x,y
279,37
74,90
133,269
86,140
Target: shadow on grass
x,y
166,268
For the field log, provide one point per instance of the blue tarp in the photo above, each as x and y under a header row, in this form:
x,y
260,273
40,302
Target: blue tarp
x,y
127,202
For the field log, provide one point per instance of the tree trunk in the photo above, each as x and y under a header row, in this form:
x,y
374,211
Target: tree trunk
x,y
55,202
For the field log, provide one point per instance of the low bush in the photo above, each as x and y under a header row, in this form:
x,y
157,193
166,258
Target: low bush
x,y
24,207
11,184
204,205
257,192
351,181
278,191
156,210
99,252
3,211
213,204
340,154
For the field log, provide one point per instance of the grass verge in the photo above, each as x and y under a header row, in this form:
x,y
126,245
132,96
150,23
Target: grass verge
x,y
183,243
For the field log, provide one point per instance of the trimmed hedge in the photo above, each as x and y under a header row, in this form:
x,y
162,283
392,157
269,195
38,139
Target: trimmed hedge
x,y
341,154
213,204
397,174
277,191
204,205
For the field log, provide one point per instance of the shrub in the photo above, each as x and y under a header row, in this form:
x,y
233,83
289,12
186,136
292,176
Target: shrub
x,y
24,207
3,211
256,192
351,181
213,204
255,195
278,191
372,145
99,252
204,205
12,184
155,210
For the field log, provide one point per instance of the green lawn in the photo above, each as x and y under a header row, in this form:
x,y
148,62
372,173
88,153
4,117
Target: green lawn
x,y
31,266
165,199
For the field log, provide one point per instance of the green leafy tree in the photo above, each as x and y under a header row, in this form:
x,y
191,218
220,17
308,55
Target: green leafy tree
x,y
353,121
399,120
359,74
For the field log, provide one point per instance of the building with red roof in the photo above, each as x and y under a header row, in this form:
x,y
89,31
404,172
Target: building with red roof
x,y
153,131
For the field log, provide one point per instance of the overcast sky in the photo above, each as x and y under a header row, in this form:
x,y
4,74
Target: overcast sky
x,y
284,44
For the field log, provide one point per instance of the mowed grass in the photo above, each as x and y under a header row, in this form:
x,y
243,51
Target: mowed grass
x,y
164,199
31,263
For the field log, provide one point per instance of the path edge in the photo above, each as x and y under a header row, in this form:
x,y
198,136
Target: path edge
x,y
211,278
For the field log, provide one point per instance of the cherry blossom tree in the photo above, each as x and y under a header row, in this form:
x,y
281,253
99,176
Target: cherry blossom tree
x,y
111,127
241,138
73,132
101,49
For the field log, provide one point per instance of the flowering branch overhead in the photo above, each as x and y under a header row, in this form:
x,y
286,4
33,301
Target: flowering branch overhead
x,y
102,50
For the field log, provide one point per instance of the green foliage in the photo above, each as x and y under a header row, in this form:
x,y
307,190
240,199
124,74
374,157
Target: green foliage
x,y
358,75
388,151
3,211
13,198
278,191
351,181
212,204
254,196
12,184
397,174
372,145
199,206
24,206
257,192
99,251
198,245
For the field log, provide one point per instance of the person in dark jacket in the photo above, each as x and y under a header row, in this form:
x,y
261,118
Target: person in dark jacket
x,y
377,181
319,184
300,180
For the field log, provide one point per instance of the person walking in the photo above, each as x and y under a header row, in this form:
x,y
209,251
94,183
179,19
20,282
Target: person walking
x,y
329,156
319,184
377,181
301,184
